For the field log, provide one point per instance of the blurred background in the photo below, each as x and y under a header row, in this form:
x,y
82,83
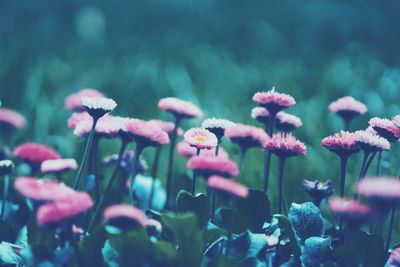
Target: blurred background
x,y
216,53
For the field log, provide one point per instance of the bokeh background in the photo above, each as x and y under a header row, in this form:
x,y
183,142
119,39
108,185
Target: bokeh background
x,y
216,53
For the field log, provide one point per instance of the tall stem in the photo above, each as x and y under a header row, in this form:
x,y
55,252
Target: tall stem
x,y
361,175
93,157
368,164
378,166
217,148
171,159
195,176
343,165
108,186
282,161
213,200
389,237
243,151
267,153
135,164
85,154
154,174
5,195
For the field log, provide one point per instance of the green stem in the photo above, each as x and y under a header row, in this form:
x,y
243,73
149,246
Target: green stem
x,y
171,159
282,161
154,174
368,164
135,165
267,153
195,176
361,176
242,155
93,152
343,165
389,237
5,195
213,200
85,154
378,166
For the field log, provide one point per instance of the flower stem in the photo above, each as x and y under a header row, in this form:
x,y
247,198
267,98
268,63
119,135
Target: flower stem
x,y
368,164
343,165
85,154
378,166
108,186
213,200
267,153
282,161
243,151
171,159
93,156
361,175
154,174
135,164
392,216
5,195
194,177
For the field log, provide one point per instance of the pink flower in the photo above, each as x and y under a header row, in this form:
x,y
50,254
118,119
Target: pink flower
x,y
58,165
273,101
77,117
379,188
260,114
396,120
208,166
348,108
246,136
342,143
227,186
185,150
146,133
285,145
98,106
41,190
350,210
11,118
106,127
167,127
385,128
74,101
394,258
200,138
35,153
63,209
287,122
371,142
180,108
125,211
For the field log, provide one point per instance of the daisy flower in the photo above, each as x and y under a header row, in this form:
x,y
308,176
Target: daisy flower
x,y
200,138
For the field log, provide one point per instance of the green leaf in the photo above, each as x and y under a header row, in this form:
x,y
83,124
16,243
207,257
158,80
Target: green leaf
x,y
316,251
232,220
91,247
40,236
286,228
198,204
164,254
7,232
8,257
214,232
306,220
110,255
346,257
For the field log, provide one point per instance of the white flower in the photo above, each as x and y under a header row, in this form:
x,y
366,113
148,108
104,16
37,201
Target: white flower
x,y
368,140
216,123
98,106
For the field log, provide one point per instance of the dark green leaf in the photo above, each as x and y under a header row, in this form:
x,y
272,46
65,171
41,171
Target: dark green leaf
x,y
316,251
345,257
110,255
198,204
164,253
306,220
287,230
232,220
91,247
7,232
40,236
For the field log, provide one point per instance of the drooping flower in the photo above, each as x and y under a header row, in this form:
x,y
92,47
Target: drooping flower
x,y
246,136
385,128
166,126
208,166
107,127
185,150
78,117
379,189
273,101
97,107
58,165
34,153
350,210
126,161
179,108
6,167
394,259
371,142
287,122
227,186
260,114
63,209
285,145
124,216
11,118
217,126
200,138
145,133
348,108
342,143
318,190
74,101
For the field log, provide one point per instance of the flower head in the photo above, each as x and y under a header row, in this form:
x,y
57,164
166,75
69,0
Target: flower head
x,y
227,186
394,259
185,150
145,133
318,190
246,136
348,108
285,145
273,101
58,165
35,153
124,216
179,108
286,122
342,143
370,142
217,126
78,117
106,127
166,126
64,209
11,118
98,106
74,101
208,166
396,120
385,128
379,189
200,138
6,167
260,114
349,210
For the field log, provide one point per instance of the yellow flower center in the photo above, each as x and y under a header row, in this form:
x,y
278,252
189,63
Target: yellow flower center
x,y
200,138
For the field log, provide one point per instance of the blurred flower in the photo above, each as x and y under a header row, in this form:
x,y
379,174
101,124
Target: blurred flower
x,y
167,127
260,114
106,127
74,101
394,259
285,145
179,108
185,150
200,138
318,190
11,118
385,128
65,208
124,216
370,142
5,153
273,101
342,143
34,153
58,165
208,166
97,107
145,133
6,167
126,161
287,122
217,126
396,120
246,136
348,108
77,117
227,186
380,189
349,210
